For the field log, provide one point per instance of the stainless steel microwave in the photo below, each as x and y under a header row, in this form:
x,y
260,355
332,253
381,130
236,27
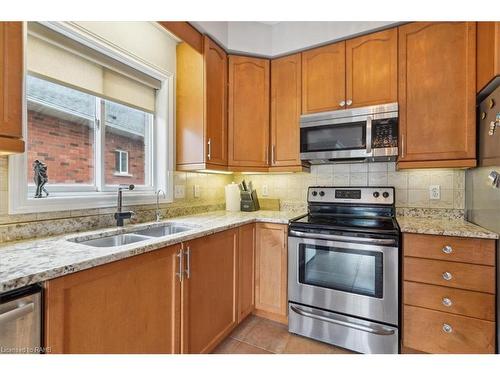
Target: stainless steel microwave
x,y
347,135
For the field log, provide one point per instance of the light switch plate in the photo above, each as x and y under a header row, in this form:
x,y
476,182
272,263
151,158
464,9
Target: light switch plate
x,y
179,191
434,192
196,191
265,190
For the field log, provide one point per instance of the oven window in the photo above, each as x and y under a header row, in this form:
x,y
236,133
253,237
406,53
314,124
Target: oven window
x,y
353,271
333,137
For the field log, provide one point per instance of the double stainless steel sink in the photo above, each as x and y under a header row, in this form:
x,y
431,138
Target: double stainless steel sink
x,y
164,230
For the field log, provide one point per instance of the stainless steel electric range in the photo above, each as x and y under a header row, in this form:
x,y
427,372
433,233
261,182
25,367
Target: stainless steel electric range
x,y
343,269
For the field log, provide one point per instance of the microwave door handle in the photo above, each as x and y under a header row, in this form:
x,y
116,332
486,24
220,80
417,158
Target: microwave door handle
x,y
369,135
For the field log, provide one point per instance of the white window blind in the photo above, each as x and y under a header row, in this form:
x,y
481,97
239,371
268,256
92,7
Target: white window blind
x,y
55,57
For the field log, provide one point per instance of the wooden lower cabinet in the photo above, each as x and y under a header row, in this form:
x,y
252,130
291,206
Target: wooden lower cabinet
x,y
246,271
271,262
209,291
448,294
437,332
128,306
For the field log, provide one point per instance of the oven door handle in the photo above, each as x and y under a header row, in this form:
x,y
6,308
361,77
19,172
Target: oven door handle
x,y
376,331
315,236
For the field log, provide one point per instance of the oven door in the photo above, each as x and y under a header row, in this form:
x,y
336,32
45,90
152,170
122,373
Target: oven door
x,y
359,279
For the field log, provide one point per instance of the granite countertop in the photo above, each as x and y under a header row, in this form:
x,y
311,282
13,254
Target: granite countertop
x,y
27,262
443,227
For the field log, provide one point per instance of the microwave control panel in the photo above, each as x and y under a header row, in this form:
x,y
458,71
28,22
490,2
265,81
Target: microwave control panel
x,y
385,133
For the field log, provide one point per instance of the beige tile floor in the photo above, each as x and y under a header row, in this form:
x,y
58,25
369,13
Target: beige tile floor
x,y
261,336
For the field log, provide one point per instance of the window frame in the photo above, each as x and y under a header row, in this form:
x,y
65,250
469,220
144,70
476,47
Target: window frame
x,y
161,163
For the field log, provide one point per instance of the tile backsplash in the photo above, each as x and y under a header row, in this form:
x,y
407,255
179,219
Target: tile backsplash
x,y
412,192
412,186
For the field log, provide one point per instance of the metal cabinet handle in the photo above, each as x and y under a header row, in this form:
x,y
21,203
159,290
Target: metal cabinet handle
x,y
447,328
180,274
402,146
273,154
349,102
209,144
16,313
447,276
447,249
446,302
188,262
342,103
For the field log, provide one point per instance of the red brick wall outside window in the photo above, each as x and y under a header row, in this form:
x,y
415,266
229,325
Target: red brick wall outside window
x,y
67,149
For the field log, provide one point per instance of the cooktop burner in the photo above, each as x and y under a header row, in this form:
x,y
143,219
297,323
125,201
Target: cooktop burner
x,y
363,209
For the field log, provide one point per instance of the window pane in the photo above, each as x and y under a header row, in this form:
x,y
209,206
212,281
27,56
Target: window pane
x,y
127,130
60,132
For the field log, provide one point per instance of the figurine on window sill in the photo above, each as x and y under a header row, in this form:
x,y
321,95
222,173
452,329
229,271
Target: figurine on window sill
x,y
40,177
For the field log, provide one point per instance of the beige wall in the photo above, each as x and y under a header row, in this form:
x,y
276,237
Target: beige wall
x,y
412,187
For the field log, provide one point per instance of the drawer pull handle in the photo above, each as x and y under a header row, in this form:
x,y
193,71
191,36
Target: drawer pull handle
x,y
447,276
447,302
447,328
447,249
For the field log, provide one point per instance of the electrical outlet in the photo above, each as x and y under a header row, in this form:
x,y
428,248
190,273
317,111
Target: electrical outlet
x,y
434,192
196,191
265,190
179,191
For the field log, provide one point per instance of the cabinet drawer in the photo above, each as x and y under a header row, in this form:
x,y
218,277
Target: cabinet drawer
x,y
455,249
451,274
437,332
450,300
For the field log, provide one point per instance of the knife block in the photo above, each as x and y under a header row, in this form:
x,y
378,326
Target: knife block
x,y
249,201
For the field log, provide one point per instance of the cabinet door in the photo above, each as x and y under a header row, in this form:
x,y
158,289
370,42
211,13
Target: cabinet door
x,y
209,291
285,111
488,53
129,306
437,81
372,69
323,78
215,102
271,272
248,111
246,271
11,83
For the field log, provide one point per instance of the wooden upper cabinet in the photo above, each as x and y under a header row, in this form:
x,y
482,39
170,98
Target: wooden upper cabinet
x,y
124,307
285,111
11,87
323,78
248,129
201,129
437,92
209,291
372,69
488,53
215,102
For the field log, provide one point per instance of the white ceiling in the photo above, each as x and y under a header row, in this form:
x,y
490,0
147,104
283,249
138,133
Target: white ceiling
x,y
276,38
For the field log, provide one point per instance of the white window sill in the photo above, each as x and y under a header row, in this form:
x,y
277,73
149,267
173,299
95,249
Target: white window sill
x,y
85,201
119,174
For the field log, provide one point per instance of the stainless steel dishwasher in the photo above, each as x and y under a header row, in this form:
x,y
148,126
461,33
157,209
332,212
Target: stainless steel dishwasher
x,y
21,321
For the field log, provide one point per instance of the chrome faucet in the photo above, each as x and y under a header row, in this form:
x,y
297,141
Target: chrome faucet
x,y
158,192
119,215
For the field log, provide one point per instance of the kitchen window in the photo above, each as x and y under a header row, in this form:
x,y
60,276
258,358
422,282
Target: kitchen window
x,y
95,120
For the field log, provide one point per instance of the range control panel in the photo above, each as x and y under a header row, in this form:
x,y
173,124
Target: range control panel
x,y
362,195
